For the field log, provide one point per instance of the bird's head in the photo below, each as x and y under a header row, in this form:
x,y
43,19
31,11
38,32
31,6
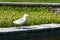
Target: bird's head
x,y
26,15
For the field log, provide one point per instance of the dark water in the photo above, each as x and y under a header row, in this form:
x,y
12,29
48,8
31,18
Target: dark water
x,y
44,34
46,38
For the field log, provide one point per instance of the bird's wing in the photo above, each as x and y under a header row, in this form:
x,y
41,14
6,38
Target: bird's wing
x,y
19,21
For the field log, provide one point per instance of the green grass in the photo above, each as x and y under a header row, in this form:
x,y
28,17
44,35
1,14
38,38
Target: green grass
x,y
30,1
37,15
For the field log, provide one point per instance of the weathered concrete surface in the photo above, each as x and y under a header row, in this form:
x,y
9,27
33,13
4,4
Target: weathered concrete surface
x,y
29,3
32,27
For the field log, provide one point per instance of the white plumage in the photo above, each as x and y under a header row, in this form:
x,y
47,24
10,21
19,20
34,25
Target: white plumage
x,y
21,21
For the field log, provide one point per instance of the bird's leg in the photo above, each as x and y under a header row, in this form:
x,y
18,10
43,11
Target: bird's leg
x,y
24,24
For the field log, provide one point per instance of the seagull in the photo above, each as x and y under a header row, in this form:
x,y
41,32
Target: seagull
x,y
22,20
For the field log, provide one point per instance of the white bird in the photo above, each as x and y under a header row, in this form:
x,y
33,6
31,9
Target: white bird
x,y
22,20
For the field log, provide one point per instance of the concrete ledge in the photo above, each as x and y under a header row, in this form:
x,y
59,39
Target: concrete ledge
x,y
29,3
44,31
32,27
